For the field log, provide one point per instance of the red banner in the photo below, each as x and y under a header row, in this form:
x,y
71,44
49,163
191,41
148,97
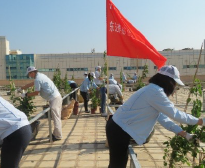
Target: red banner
x,y
124,40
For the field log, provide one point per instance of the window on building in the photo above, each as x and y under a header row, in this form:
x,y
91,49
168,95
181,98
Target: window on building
x,y
77,69
130,68
47,70
193,66
112,68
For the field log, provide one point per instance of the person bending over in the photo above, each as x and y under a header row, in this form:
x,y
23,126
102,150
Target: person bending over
x,y
138,115
15,134
47,89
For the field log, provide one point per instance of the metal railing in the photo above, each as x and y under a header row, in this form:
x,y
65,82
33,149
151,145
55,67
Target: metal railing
x,y
134,163
39,115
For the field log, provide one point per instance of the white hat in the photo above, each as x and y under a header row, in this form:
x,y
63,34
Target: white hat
x,y
85,73
93,74
98,67
30,69
172,72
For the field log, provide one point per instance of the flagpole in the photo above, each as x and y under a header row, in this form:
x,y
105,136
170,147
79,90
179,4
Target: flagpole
x,y
107,83
107,61
137,65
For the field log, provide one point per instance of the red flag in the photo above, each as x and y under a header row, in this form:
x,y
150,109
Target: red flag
x,y
124,40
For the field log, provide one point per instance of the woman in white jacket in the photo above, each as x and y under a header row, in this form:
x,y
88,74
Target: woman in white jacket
x,y
15,134
138,115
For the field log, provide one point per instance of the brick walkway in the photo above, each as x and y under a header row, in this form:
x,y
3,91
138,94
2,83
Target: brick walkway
x,y
83,144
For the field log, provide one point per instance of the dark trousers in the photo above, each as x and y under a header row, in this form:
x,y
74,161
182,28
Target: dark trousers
x,y
103,91
14,146
86,99
118,141
73,87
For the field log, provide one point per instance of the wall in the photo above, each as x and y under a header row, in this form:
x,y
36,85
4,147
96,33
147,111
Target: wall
x,y
185,79
17,82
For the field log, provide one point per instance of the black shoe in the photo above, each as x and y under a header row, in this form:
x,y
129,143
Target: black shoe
x,y
87,111
54,138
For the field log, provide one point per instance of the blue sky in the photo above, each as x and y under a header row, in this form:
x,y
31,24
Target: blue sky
x,y
77,26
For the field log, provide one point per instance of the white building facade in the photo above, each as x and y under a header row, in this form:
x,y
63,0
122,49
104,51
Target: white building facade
x,y
77,63
4,50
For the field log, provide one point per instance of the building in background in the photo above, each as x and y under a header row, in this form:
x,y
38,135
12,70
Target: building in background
x,y
17,64
77,63
4,50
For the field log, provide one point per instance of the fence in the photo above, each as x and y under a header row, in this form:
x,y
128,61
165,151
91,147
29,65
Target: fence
x,y
49,115
134,163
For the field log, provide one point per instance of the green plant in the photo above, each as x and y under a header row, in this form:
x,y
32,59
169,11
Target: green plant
x,y
25,104
140,82
178,148
66,86
104,70
94,99
57,79
72,78
12,88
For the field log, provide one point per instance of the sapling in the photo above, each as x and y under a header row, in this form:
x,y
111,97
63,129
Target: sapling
x,y
177,148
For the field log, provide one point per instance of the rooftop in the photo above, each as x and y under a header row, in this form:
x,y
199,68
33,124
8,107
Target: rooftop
x,y
83,143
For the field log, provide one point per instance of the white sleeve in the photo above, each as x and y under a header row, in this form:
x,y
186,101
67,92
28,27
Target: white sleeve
x,y
162,104
97,74
117,88
37,85
167,123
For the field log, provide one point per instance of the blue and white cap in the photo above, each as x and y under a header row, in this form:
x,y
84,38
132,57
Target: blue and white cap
x,y
172,72
30,69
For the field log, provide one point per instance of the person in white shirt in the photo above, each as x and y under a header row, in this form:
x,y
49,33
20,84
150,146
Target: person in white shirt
x,y
115,94
124,78
112,81
111,76
98,80
15,133
87,85
135,77
138,115
85,75
73,86
47,89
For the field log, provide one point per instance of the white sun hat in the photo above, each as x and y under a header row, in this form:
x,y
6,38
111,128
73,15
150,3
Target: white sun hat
x,y
30,69
98,67
172,72
93,75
